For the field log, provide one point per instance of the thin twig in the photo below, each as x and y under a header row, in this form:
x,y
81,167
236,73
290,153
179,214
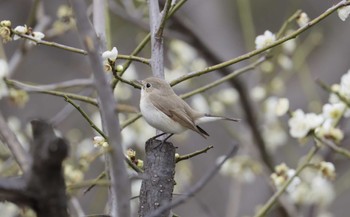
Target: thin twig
x,y
164,17
191,155
51,44
329,89
66,84
130,121
34,89
134,58
258,51
267,206
197,187
335,147
60,85
287,22
131,83
224,79
80,110
88,183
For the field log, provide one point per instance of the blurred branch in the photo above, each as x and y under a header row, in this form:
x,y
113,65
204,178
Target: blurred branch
x,y
329,89
247,24
197,187
77,207
268,205
225,78
31,88
9,138
258,51
335,147
191,155
60,85
120,185
66,84
130,121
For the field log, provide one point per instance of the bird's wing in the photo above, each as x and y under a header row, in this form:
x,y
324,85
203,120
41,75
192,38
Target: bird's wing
x,y
178,113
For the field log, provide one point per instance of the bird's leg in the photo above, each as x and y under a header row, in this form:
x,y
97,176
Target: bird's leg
x,y
164,140
154,137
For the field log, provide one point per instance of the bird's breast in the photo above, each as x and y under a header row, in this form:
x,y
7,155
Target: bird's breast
x,y
157,119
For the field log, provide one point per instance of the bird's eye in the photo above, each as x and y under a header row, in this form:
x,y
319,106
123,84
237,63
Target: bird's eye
x,y
148,85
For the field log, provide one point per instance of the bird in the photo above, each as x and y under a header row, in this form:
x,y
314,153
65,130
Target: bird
x,y
169,113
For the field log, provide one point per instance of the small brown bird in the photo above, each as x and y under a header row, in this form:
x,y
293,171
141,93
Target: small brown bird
x,y
166,111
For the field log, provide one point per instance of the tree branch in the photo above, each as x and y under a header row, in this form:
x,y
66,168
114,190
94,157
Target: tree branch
x,y
120,187
258,51
197,187
267,206
191,155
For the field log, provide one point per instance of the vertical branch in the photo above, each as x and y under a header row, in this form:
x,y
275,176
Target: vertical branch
x,y
157,60
99,21
120,185
158,185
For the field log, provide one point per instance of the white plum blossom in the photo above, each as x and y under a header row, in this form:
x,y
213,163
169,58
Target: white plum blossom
x,y
282,174
100,142
38,35
199,103
333,111
328,131
327,169
301,124
274,136
321,191
285,62
243,168
276,107
264,40
344,12
289,46
20,29
303,19
228,96
110,54
345,85
258,93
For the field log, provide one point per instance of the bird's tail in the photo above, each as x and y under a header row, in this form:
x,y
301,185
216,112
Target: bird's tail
x,y
210,118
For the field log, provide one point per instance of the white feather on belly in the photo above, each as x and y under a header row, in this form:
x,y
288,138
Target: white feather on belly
x,y
158,119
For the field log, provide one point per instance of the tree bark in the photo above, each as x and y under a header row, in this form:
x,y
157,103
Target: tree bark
x,y
158,183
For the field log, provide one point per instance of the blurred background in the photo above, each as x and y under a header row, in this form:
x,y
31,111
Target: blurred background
x,y
202,33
